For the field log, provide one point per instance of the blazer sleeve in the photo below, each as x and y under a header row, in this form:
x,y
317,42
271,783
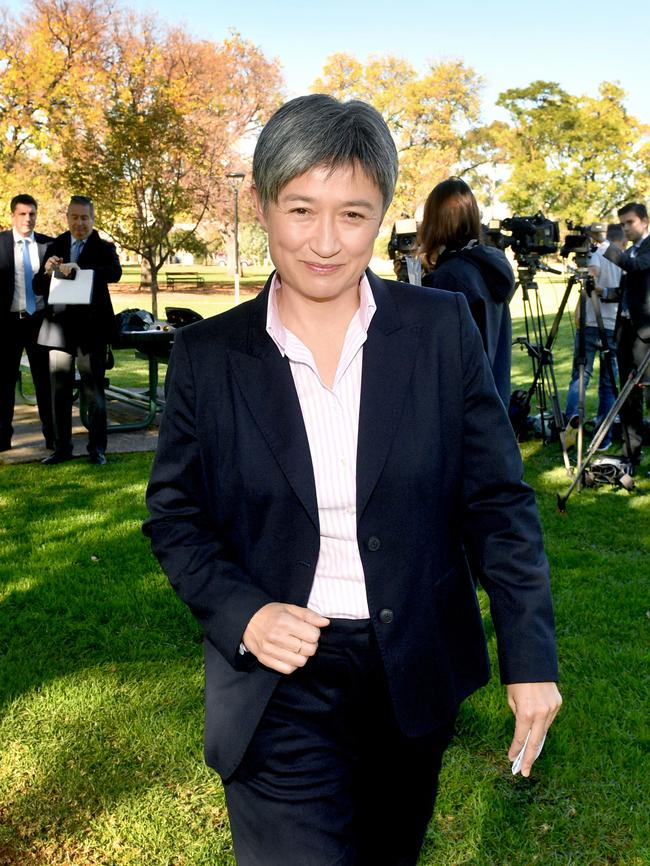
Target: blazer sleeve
x,y
221,596
41,281
630,264
107,264
501,529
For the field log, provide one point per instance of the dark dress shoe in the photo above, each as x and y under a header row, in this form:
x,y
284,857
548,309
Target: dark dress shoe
x,y
57,457
97,458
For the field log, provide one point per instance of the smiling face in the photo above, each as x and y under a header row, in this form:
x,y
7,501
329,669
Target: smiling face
x,y
23,218
80,220
322,230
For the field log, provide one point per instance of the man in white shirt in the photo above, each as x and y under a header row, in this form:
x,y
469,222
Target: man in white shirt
x,y
607,278
21,314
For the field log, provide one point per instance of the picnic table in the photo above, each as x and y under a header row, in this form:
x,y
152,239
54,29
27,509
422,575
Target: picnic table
x,y
152,344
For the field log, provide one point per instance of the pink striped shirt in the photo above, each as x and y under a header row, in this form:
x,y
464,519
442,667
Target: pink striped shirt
x,y
331,417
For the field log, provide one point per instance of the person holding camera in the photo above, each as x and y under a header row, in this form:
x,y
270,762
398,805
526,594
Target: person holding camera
x,y
607,278
450,243
633,326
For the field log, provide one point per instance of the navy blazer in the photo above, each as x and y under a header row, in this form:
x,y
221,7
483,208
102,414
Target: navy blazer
x,y
88,327
7,273
234,517
635,284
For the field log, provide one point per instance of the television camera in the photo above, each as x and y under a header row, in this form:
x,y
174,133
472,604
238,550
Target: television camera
x,y
529,236
580,241
403,251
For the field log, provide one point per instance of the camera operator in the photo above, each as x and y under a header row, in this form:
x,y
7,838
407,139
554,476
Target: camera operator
x,y
607,278
633,327
459,262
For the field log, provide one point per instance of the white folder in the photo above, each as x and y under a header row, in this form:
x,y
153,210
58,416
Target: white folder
x,y
77,291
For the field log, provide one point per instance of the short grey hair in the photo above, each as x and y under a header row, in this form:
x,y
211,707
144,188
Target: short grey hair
x,y
318,130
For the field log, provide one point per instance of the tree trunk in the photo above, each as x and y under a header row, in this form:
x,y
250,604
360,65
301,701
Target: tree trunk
x,y
145,275
154,292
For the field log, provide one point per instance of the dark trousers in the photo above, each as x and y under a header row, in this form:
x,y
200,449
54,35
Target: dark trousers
x,y
606,385
92,369
631,351
329,779
17,336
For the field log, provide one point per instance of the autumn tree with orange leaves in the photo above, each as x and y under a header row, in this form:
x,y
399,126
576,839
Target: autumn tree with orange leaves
x,y
147,121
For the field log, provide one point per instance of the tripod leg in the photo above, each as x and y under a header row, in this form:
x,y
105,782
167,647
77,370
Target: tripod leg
x,y
625,339
606,356
582,375
558,416
543,359
633,380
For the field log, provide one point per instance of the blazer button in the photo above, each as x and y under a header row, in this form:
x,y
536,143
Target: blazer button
x,y
386,616
374,543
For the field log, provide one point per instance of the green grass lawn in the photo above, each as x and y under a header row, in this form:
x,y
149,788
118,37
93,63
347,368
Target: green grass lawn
x,y
101,686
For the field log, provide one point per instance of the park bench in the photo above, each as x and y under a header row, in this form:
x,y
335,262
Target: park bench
x,y
184,278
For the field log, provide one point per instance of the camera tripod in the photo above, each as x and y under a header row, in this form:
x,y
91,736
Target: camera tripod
x,y
588,294
633,380
539,342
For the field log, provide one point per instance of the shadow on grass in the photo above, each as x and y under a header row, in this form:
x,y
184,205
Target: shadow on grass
x,y
101,687
102,681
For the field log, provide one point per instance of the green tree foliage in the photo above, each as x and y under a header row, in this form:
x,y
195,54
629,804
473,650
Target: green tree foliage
x,y
429,116
253,244
576,157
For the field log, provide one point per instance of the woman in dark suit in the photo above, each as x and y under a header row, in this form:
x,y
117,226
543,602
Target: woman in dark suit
x,y
458,262
331,453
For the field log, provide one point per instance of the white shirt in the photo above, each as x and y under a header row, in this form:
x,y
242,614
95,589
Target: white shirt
x,y
18,303
331,417
609,277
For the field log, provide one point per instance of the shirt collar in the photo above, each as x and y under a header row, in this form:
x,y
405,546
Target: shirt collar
x,y
18,237
278,333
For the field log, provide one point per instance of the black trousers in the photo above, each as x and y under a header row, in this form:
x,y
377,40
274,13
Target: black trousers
x,y
329,779
630,351
17,336
92,369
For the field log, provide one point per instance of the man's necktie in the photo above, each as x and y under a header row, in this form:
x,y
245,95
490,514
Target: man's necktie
x,y
76,250
30,298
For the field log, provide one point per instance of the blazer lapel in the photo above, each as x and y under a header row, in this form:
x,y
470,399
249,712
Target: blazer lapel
x,y
42,246
265,380
388,359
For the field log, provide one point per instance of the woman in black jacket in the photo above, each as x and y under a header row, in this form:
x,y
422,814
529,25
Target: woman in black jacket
x,y
459,262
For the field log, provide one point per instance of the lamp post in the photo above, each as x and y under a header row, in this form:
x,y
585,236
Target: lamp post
x,y
236,178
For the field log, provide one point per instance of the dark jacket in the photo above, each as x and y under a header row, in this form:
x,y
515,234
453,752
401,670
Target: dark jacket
x,y
483,274
88,327
7,274
635,285
234,516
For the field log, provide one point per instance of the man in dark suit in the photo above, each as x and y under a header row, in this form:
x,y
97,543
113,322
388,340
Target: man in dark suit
x,y
79,332
332,455
21,314
633,326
